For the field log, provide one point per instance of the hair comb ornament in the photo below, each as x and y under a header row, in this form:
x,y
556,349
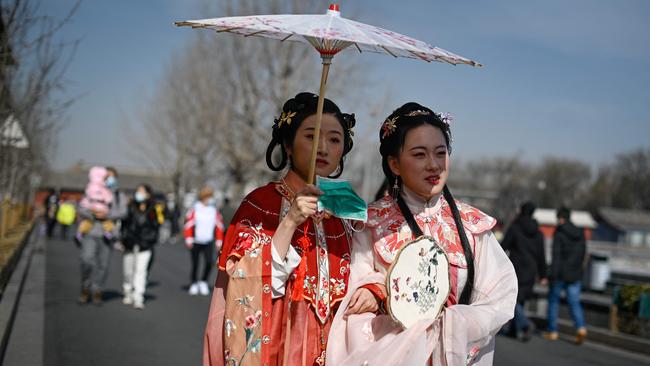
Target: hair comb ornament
x,y
286,118
350,121
388,127
418,112
390,124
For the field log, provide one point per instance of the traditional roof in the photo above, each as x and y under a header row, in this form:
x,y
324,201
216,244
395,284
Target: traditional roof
x,y
548,216
623,219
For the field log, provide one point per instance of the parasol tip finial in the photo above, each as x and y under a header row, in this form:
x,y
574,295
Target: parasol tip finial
x,y
334,10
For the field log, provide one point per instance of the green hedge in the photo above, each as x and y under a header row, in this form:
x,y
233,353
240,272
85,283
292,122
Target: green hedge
x,y
633,303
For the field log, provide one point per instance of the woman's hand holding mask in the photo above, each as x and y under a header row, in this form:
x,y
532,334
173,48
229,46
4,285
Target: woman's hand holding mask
x,y
304,205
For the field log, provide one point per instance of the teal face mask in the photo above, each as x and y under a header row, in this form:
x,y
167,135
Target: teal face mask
x,y
339,199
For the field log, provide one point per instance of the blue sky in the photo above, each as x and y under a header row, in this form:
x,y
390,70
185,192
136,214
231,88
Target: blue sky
x,y
561,78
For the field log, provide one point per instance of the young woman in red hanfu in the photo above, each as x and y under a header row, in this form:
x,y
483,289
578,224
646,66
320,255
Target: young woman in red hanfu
x,y
415,148
284,265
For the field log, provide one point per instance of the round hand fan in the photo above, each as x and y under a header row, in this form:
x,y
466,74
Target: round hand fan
x,y
417,282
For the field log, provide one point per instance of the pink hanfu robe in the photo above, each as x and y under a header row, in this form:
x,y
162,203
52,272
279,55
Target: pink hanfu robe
x,y
462,334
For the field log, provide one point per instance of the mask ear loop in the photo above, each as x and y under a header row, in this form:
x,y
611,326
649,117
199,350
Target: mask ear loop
x,y
338,171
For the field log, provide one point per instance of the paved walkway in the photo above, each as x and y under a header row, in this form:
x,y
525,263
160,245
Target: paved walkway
x,y
169,331
540,352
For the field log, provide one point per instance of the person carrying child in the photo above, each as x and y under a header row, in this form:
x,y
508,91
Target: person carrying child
x,y
95,251
98,199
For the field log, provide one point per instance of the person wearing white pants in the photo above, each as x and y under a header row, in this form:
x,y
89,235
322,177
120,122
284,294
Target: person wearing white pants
x,y
203,232
135,276
139,235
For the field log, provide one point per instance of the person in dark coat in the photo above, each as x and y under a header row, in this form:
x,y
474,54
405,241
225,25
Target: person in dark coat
x,y
227,212
565,273
173,216
51,209
139,235
524,244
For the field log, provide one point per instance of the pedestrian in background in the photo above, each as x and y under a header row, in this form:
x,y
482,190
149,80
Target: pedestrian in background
x,y
66,216
120,203
524,244
97,199
227,212
172,217
203,234
95,251
159,208
139,235
565,273
51,209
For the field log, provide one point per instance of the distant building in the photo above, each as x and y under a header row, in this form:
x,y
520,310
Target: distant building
x,y
547,219
630,227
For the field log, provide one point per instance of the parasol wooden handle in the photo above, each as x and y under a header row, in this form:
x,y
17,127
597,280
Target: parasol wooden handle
x,y
319,116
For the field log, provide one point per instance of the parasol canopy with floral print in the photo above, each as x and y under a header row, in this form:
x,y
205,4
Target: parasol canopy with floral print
x,y
329,34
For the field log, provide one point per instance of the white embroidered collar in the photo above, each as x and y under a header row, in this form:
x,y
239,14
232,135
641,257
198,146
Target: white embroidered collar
x,y
419,205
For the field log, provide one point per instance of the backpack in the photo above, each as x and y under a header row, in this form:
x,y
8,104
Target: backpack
x,y
66,214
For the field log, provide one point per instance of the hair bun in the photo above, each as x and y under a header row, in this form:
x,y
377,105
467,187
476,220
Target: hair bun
x,y
305,96
350,120
300,102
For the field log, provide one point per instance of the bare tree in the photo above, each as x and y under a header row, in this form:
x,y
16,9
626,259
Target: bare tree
x,y
211,116
509,177
561,181
33,63
633,189
625,183
363,165
601,191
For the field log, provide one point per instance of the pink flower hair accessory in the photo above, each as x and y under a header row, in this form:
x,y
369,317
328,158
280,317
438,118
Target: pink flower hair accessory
x,y
446,118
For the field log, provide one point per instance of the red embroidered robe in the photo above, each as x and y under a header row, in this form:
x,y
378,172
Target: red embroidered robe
x,y
246,326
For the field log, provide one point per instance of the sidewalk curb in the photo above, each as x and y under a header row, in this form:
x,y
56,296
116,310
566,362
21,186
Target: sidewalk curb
x,y
603,336
13,291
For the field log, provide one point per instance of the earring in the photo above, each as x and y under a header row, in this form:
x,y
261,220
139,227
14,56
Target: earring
x,y
396,187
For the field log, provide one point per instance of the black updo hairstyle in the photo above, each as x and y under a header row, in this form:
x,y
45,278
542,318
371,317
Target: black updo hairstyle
x,y
304,105
392,137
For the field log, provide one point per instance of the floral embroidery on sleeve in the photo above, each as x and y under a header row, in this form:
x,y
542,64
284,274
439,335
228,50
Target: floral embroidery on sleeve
x,y
252,325
243,330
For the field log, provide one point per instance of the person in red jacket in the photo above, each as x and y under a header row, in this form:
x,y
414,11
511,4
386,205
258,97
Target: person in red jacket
x,y
203,234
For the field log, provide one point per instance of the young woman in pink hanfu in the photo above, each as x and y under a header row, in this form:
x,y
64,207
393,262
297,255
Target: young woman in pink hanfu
x,y
415,148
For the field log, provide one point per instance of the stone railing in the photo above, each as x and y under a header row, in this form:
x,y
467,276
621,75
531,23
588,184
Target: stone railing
x,y
623,258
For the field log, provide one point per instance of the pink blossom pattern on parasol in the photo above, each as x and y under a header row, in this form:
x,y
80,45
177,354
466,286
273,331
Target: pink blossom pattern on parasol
x,y
330,33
